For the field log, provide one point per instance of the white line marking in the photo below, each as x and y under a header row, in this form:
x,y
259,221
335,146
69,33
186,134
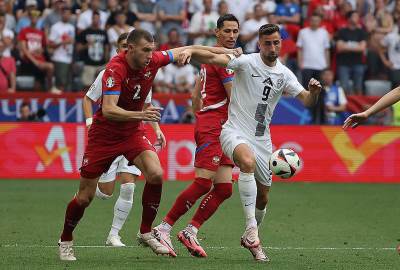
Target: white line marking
x,y
273,248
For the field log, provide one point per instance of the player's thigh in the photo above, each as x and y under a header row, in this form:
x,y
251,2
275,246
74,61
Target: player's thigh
x,y
223,175
149,164
236,147
87,190
204,173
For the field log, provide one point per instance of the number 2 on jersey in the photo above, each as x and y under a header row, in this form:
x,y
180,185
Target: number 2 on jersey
x,y
137,89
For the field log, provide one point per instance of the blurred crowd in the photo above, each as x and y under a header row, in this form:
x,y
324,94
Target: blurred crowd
x,y
352,46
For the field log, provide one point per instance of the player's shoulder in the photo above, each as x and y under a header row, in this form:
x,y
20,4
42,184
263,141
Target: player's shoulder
x,y
117,64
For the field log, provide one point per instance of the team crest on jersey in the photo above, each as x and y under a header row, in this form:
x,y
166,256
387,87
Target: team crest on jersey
x,y
85,162
229,71
279,83
147,75
216,160
110,82
164,53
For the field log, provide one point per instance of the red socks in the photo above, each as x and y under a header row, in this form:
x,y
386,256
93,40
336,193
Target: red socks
x,y
211,202
73,214
187,198
150,201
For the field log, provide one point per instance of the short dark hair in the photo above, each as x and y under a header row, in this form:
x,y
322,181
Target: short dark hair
x,y
25,104
122,37
137,34
268,29
227,17
350,13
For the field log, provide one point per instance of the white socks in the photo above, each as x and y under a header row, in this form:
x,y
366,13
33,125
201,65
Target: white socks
x,y
164,226
260,214
122,207
248,196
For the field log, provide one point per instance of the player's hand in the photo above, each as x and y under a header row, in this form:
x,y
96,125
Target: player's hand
x,y
152,114
314,86
354,120
184,57
161,141
236,51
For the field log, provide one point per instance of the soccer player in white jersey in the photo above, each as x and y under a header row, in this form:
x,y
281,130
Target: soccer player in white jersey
x,y
127,174
260,80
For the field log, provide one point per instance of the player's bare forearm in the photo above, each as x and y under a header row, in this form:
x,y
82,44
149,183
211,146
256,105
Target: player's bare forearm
x,y
196,96
311,99
386,101
87,107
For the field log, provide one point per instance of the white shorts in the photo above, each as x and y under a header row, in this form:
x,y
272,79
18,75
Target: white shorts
x,y
262,149
120,164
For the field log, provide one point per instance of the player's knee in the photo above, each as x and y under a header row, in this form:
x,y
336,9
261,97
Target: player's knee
x,y
247,164
84,199
155,177
224,191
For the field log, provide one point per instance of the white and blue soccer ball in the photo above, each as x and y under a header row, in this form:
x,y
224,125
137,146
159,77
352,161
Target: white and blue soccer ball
x,y
284,163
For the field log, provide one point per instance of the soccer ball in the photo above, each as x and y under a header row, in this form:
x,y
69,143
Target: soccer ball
x,y
284,163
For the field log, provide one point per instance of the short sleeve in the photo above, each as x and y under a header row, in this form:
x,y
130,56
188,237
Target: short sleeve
x,y
238,63
21,35
112,80
53,34
299,42
162,58
225,74
327,43
292,87
95,90
342,96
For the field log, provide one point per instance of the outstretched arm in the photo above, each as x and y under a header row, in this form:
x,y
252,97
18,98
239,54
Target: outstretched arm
x,y
387,100
310,97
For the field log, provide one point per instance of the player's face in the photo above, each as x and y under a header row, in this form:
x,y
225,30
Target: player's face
x,y
228,34
270,46
141,52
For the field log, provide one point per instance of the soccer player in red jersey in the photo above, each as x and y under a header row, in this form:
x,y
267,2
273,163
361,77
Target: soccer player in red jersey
x,y
117,129
213,170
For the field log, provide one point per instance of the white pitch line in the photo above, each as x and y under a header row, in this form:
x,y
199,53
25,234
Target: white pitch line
x,y
273,248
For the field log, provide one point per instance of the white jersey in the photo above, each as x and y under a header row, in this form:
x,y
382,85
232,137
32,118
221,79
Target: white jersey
x,y
95,90
255,93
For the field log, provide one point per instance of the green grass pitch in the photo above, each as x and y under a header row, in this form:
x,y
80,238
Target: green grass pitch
x,y
308,226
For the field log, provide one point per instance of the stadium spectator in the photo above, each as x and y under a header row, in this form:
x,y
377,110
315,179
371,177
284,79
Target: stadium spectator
x,y
172,14
202,25
249,31
195,6
288,12
268,7
174,40
54,15
334,99
123,6
391,44
145,11
92,46
313,54
179,79
32,44
351,47
188,116
239,8
61,40
340,15
116,30
20,7
26,115
378,24
10,19
85,18
7,62
223,8
24,20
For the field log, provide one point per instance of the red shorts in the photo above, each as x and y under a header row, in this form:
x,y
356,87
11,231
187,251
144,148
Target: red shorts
x,y
209,153
100,152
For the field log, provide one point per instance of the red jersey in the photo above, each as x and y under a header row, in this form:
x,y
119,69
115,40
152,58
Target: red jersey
x,y
132,86
213,93
35,39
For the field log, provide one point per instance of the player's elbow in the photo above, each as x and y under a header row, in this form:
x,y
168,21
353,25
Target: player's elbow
x,y
107,112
